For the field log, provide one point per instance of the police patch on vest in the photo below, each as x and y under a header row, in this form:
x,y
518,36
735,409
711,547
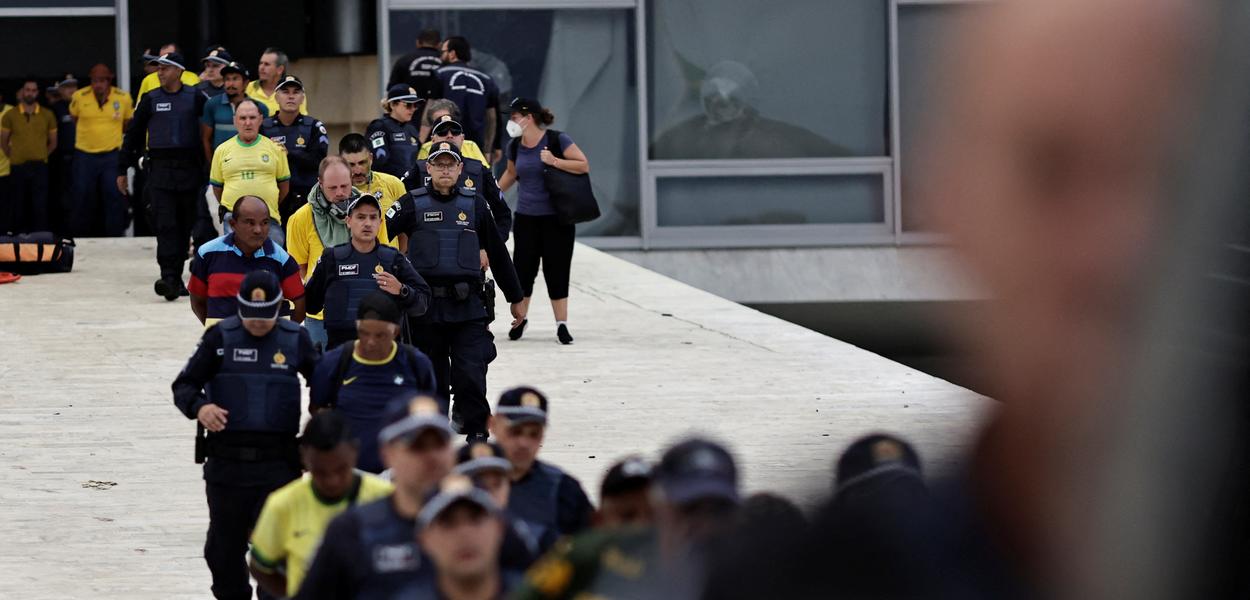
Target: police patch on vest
x,y
345,270
392,211
279,361
164,106
433,216
395,559
399,137
278,139
299,141
244,355
378,142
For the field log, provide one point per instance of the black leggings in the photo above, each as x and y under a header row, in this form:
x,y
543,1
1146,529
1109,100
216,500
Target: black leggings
x,y
547,239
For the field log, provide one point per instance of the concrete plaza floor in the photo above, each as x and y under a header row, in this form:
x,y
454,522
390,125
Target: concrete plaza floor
x,y
100,497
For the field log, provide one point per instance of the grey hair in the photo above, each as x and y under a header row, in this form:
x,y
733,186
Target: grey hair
x,y
280,58
440,104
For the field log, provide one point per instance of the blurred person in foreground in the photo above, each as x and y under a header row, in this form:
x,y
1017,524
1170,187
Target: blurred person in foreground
x,y
695,498
488,467
625,495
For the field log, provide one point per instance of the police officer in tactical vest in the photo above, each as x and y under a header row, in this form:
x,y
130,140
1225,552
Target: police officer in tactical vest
x,y
349,272
242,385
168,120
474,175
442,228
302,137
393,137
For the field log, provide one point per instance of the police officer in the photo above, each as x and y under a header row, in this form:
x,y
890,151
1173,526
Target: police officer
x,y
550,500
61,162
242,385
476,174
442,228
393,138
346,273
302,137
210,83
370,551
168,119
487,465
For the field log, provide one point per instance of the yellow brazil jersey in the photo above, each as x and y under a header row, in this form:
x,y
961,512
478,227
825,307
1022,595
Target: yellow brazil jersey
x,y
151,82
100,124
4,158
289,528
469,149
385,187
304,244
256,92
253,169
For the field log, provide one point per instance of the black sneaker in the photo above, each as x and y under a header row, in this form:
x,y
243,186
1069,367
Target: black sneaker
x,y
515,333
166,287
183,292
562,332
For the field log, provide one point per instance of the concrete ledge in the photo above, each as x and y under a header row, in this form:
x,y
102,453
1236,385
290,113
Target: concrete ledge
x,y
88,358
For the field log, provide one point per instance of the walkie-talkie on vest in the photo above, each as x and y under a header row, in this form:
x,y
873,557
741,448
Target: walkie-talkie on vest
x,y
201,444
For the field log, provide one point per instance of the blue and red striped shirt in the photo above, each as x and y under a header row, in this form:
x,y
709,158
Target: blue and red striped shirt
x,y
218,268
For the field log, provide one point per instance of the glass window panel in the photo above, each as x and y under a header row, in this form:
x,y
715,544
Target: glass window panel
x,y
94,40
741,79
783,200
922,36
580,64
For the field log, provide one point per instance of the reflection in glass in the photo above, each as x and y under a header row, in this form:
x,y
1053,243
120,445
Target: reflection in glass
x,y
787,200
734,79
578,63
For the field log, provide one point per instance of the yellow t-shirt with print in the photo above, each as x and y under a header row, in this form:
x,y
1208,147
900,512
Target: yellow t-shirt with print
x,y
304,244
257,93
293,520
385,187
253,169
99,126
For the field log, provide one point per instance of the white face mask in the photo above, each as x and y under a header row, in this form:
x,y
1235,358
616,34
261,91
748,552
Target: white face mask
x,y
514,129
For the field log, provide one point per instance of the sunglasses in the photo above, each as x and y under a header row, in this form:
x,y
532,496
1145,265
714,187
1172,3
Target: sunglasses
x,y
449,130
410,104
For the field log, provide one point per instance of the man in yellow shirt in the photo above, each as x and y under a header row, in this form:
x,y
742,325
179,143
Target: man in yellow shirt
x,y
4,169
273,63
101,113
151,82
387,188
294,517
250,164
319,224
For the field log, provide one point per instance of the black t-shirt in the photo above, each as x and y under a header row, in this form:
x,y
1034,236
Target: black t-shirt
x,y
416,70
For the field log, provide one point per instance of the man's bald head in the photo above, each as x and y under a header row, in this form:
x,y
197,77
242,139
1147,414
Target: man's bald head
x,y
251,206
247,120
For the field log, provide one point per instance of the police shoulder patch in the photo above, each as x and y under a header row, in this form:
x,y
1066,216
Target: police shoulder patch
x,y
392,211
378,142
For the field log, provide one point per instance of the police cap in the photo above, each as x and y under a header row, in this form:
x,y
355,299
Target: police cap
x,y
401,92
478,456
217,54
260,295
363,200
172,59
695,470
408,416
523,405
441,148
454,490
446,123
234,67
290,81
875,454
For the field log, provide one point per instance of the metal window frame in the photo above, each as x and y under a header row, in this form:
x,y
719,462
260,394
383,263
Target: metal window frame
x,y
888,232
59,11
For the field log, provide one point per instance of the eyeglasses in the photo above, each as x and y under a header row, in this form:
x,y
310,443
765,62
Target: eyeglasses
x,y
410,104
444,167
450,130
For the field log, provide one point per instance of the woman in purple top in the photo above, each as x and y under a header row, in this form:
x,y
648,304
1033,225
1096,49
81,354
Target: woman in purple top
x,y
539,233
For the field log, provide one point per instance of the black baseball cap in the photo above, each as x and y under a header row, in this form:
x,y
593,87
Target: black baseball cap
x,y
260,296
695,470
446,122
410,415
442,148
172,59
378,306
364,199
523,405
401,93
453,490
288,81
480,455
218,55
234,67
631,473
68,79
528,106
876,454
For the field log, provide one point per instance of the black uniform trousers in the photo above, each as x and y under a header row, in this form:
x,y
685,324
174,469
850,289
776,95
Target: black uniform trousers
x,y
461,352
236,492
28,197
173,188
